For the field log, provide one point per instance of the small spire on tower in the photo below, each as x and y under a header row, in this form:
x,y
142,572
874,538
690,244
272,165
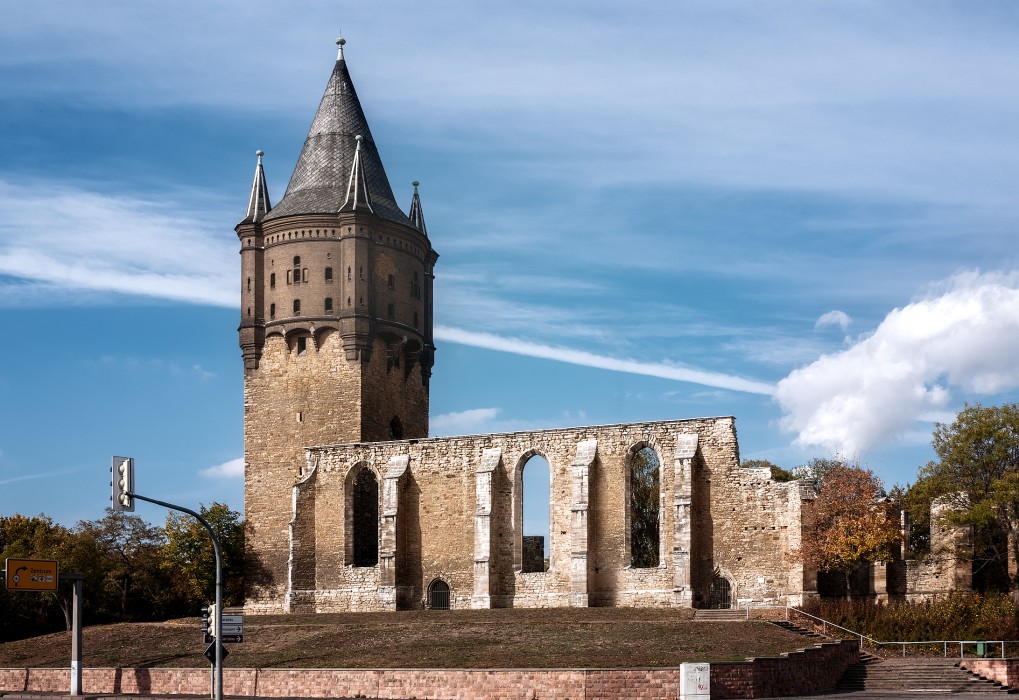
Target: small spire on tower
x,y
258,202
417,214
340,41
357,185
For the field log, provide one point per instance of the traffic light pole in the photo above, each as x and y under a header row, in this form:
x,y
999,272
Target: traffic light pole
x,y
217,623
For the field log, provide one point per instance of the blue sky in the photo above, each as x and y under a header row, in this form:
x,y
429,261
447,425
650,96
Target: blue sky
x,y
801,214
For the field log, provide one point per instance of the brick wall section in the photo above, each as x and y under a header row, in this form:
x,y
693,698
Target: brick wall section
x,y
1004,671
806,671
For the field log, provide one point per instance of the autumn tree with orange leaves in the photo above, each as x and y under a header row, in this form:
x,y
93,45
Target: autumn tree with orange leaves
x,y
849,523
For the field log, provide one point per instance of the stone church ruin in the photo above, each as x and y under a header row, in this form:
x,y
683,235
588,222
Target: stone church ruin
x,y
350,506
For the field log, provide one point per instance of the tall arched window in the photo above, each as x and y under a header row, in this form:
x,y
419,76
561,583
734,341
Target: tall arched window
x,y
297,269
329,274
535,482
365,504
645,474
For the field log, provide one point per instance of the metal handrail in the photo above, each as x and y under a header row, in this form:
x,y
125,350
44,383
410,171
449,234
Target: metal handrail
x,y
825,624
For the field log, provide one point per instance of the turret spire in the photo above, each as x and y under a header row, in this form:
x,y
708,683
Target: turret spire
x,y
357,186
417,214
320,180
258,202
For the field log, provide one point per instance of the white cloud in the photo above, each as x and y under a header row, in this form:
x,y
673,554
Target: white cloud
x,y
59,238
474,420
834,318
587,359
227,470
958,341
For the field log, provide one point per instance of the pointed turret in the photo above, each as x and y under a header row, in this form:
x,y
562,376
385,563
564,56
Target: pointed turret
x,y
320,179
258,202
417,214
358,195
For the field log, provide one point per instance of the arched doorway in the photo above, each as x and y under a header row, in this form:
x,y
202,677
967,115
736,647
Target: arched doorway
x,y
719,594
438,595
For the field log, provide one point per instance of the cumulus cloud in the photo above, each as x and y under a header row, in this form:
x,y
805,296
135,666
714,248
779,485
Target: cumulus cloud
x,y
233,469
956,342
473,420
834,318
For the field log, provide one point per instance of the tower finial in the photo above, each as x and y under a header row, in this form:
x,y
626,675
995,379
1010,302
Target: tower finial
x,y
340,41
357,185
258,203
417,214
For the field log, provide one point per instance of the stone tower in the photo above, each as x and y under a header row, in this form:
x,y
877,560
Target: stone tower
x,y
336,320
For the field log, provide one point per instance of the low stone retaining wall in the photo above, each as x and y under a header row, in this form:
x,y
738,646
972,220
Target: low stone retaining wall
x,y
809,670
1004,671
796,673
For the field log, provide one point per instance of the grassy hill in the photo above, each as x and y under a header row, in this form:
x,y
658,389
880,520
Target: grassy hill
x,y
550,638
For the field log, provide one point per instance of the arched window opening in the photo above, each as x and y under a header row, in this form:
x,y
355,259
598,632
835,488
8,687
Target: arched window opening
x,y
438,595
645,473
272,281
536,506
297,269
391,281
289,276
329,274
329,304
272,311
302,345
297,306
365,504
395,429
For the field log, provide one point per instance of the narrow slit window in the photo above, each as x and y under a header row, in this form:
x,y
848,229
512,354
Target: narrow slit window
x,y
329,304
297,306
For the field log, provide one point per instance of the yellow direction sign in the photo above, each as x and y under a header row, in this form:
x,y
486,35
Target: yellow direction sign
x,y
31,575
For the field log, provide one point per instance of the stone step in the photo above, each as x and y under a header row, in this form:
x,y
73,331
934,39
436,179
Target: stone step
x,y
915,676
723,615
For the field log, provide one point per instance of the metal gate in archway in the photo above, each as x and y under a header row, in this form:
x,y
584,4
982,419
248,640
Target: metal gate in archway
x,y
438,595
720,594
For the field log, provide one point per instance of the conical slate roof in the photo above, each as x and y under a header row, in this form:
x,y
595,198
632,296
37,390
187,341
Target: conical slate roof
x,y
319,183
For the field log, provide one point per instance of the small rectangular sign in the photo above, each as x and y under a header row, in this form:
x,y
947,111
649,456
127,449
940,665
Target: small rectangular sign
x,y
232,629
31,575
233,638
233,619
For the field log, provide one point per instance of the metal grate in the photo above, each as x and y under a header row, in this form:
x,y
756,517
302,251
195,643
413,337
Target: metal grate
x,y
720,594
438,597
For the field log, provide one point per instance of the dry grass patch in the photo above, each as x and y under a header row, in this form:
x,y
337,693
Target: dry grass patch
x,y
553,638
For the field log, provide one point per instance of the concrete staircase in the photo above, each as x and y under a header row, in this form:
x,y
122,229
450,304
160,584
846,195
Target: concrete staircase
x,y
722,615
915,675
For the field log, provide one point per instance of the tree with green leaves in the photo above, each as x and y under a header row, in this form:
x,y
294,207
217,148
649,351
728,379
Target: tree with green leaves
x,y
645,500
978,470
848,522
189,560
777,473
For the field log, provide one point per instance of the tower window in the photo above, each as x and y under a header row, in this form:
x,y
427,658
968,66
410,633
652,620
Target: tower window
x,y
289,273
390,312
304,277
302,345
395,429
329,304
272,281
391,282
415,287
272,311
415,319
297,306
249,284
329,274
348,274
297,269
297,261
348,301
249,312
360,272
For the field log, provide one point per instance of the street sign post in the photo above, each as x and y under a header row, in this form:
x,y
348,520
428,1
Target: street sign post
x,y
31,575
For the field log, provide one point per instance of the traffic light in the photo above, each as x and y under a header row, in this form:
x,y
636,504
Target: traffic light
x,y
123,484
208,619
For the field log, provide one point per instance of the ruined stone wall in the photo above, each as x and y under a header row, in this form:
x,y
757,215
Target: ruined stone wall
x,y
291,400
454,513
